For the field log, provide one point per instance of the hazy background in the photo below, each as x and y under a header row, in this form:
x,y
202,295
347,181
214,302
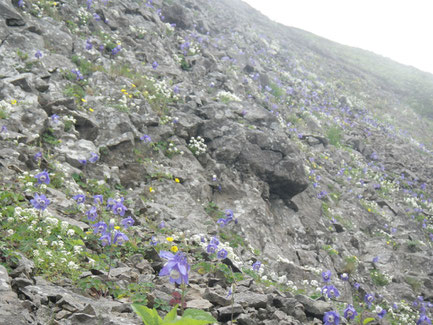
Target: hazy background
x,y
400,30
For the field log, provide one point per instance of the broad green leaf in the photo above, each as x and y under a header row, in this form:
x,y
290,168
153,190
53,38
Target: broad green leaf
x,y
367,320
171,315
198,314
149,316
189,321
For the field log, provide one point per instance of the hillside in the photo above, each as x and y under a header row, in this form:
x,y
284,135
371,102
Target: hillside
x,y
285,177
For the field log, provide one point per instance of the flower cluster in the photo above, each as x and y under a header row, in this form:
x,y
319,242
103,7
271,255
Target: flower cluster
x,y
213,248
197,146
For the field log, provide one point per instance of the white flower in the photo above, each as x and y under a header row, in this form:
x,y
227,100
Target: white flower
x,y
10,232
70,232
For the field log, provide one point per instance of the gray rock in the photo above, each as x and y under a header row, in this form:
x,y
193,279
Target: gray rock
x,y
251,299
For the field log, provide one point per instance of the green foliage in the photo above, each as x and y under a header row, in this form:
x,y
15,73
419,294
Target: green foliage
x,y
185,65
49,138
378,278
190,316
74,90
214,211
351,264
23,56
276,90
334,135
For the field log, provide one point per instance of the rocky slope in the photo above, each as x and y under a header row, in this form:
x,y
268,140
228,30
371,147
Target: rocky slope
x,y
190,111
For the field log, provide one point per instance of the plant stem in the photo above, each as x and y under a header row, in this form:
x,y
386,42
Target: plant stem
x,y
110,255
182,299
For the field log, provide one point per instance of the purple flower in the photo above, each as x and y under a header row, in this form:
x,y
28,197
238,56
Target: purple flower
x,y
55,118
92,214
116,50
145,138
89,44
211,248
82,161
89,4
380,312
110,203
119,238
43,177
330,291
96,16
38,54
78,74
40,202
4,129
79,198
222,222
37,156
100,227
119,209
423,320
155,65
176,89
222,254
21,3
105,239
98,199
376,259
161,225
177,267
356,285
153,241
256,266
127,222
326,276
350,312
215,241
368,299
344,277
94,158
331,318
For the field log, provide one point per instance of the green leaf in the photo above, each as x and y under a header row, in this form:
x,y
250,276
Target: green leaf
x,y
199,315
149,316
367,320
171,315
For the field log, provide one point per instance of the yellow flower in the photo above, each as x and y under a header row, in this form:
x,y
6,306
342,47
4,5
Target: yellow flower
x,y
13,101
123,90
83,100
326,157
89,232
130,96
151,190
117,227
369,210
177,180
170,239
133,86
91,109
387,242
174,249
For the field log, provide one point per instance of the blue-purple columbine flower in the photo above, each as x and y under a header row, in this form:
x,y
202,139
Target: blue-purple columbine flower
x,y
215,241
89,44
211,248
177,267
38,54
119,238
153,241
380,312
127,222
100,227
344,277
350,312
98,199
20,3
78,74
43,177
94,158
110,203
326,276
331,318
89,4
155,65
79,198
376,259
96,16
222,254
146,138
423,320
37,156
82,161
356,285
55,118
256,266
222,222
4,129
368,299
92,214
119,209
40,202
176,89
330,291
105,239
